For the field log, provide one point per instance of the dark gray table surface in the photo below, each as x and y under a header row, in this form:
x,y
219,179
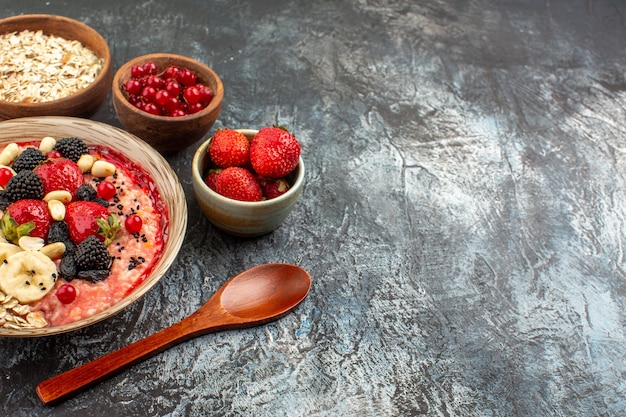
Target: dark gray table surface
x,y
463,217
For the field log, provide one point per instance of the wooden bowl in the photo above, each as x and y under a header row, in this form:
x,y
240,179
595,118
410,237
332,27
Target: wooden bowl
x,y
242,218
83,103
170,189
167,134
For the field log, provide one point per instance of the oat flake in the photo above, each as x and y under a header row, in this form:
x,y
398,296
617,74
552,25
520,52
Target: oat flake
x,y
35,68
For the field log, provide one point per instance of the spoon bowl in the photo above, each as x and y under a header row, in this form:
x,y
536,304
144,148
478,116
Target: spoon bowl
x,y
256,296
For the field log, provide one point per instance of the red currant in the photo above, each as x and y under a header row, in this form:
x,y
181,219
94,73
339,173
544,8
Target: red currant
x,y
155,81
152,109
172,104
192,95
5,176
133,86
137,71
186,77
150,68
106,190
178,113
148,93
66,293
195,108
133,224
173,88
162,97
171,72
205,93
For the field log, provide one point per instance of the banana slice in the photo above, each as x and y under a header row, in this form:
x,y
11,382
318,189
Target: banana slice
x,y
27,276
8,249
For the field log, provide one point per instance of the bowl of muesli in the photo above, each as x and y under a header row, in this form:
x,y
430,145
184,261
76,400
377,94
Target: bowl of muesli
x,y
91,218
52,65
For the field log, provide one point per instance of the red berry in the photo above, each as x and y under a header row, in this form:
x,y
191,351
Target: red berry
x,y
133,224
60,174
239,184
150,68
229,148
35,211
155,81
195,108
192,95
82,218
171,72
137,71
178,113
206,95
152,109
171,105
211,178
173,88
5,176
148,93
66,293
133,86
162,97
106,190
274,152
186,77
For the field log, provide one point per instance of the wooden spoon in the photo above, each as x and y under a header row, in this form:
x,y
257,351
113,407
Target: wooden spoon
x,y
259,295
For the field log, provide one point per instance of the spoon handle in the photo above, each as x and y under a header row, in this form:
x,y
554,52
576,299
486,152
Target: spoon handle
x,y
74,381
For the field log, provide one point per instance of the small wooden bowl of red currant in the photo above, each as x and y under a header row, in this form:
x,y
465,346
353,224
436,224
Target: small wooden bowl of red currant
x,y
169,101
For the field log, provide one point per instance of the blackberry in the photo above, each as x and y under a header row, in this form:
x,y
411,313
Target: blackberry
x,y
28,160
86,192
92,254
71,148
4,200
24,184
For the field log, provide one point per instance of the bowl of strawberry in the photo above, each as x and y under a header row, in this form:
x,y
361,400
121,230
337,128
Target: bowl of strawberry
x,y
247,181
169,101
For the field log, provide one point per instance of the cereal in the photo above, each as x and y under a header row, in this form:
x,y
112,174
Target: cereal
x,y
14,315
35,68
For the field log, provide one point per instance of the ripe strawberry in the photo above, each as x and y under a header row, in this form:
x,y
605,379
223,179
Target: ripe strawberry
x,y
86,218
26,218
229,148
239,184
211,178
274,152
273,188
60,174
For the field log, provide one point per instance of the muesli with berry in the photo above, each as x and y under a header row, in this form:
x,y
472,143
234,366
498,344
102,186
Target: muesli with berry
x,y
81,226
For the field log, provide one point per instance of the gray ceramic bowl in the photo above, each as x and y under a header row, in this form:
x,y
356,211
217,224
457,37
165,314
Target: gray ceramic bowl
x,y
242,218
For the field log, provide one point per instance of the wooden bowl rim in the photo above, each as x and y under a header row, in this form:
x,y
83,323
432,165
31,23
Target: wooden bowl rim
x,y
218,94
82,95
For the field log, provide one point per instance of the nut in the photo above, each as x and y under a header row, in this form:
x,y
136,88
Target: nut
x,y
47,144
53,250
59,195
85,162
56,209
102,169
9,153
30,243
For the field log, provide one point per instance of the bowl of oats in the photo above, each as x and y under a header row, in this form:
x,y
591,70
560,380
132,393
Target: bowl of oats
x,y
92,219
52,66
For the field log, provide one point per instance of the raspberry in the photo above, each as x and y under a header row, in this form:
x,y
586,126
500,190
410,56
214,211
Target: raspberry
x,y
28,160
25,185
71,148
